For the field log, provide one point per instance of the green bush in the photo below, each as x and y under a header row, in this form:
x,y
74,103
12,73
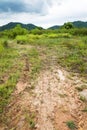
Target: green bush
x,y
5,92
71,125
79,31
68,25
3,45
12,33
22,39
37,31
59,35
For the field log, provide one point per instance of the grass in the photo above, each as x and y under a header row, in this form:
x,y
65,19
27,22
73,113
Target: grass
x,y
71,125
10,67
81,88
3,45
85,109
71,53
82,98
6,89
7,57
35,62
11,64
30,118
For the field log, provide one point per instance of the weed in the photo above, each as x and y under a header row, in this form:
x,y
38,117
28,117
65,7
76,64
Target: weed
x,y
81,88
71,125
35,63
6,90
32,124
62,95
85,109
30,119
82,98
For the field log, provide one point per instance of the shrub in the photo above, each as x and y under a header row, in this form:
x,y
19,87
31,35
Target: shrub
x,y
22,39
79,31
3,45
68,25
71,125
59,35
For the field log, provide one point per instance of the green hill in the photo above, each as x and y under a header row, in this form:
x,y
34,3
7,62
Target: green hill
x,y
54,27
13,24
78,24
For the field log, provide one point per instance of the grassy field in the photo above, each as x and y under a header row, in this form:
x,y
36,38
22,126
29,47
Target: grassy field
x,y
42,51
71,51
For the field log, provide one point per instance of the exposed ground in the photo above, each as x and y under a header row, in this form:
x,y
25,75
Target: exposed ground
x,y
45,102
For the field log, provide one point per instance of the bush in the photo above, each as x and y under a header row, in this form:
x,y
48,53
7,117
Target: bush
x,y
3,45
5,92
12,33
79,31
68,25
22,39
59,35
71,125
37,31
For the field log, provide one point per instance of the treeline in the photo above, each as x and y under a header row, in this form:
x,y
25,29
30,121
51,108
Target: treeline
x,y
66,28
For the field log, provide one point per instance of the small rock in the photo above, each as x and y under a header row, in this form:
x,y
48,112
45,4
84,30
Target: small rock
x,y
84,94
36,126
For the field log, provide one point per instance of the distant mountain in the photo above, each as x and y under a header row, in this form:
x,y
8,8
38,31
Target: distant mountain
x,y
78,24
55,27
11,25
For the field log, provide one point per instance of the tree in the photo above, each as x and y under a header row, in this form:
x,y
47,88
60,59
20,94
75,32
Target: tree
x,y
68,25
18,30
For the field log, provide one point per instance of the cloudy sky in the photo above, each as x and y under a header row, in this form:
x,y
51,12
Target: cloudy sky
x,y
43,13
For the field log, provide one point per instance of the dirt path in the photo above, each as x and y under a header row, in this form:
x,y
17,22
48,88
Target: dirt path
x,y
57,101
54,101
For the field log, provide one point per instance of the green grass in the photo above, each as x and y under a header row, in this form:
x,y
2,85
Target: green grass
x,y
3,45
71,52
35,62
71,125
7,59
10,67
82,98
81,88
6,89
30,118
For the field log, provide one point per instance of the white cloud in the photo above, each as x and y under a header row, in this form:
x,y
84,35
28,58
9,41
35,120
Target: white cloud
x,y
48,12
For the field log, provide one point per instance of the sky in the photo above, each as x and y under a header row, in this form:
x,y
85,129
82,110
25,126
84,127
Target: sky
x,y
43,13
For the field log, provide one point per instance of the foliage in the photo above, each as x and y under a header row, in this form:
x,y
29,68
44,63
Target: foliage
x,y
59,35
35,62
18,30
6,90
30,117
71,125
81,88
82,98
37,31
68,25
79,31
3,45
